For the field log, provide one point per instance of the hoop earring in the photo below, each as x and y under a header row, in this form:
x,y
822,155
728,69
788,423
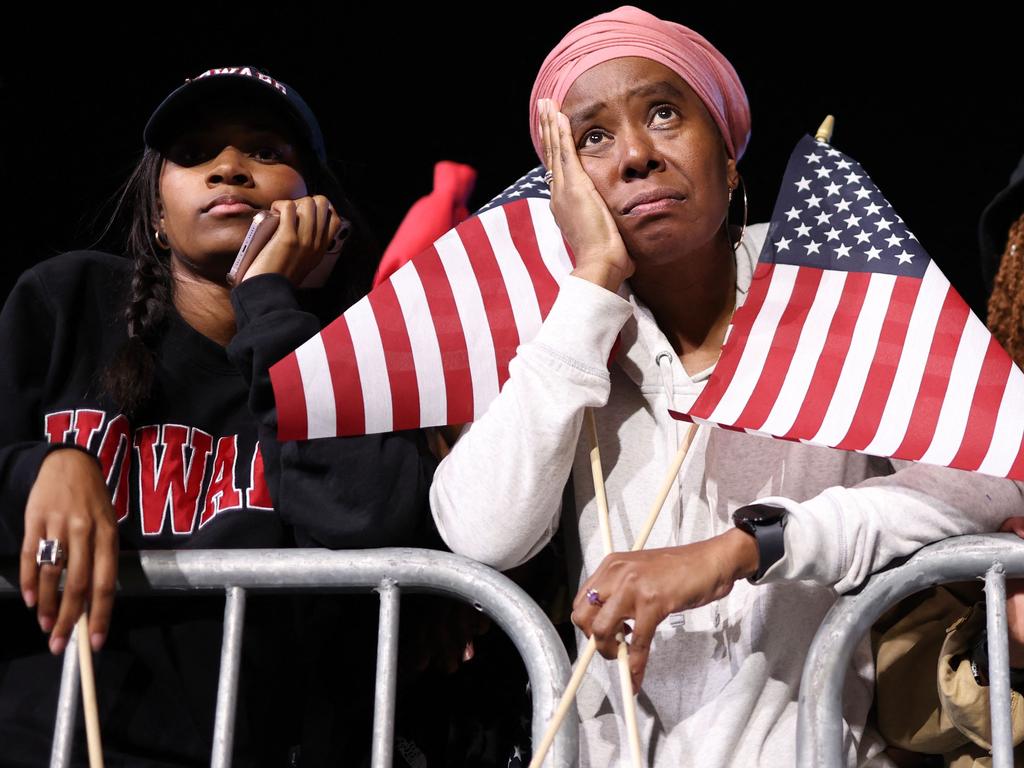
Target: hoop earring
x,y
743,227
161,240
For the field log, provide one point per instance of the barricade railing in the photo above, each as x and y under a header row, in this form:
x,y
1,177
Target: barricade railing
x,y
961,558
389,572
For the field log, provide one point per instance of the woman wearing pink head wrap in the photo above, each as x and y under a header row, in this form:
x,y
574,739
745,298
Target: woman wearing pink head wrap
x,y
640,123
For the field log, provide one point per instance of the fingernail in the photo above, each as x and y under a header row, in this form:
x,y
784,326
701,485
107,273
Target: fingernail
x,y
45,623
96,640
57,644
29,597
468,652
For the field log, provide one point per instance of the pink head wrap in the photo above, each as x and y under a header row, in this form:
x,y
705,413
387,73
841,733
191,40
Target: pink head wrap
x,y
628,31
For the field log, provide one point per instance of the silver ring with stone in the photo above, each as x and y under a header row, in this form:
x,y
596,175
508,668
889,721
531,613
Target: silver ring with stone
x,y
50,552
594,598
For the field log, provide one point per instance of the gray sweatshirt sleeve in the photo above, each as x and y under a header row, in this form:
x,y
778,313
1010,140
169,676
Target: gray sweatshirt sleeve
x,y
842,535
496,496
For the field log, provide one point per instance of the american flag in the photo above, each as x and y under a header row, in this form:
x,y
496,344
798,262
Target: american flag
x,y
431,345
851,337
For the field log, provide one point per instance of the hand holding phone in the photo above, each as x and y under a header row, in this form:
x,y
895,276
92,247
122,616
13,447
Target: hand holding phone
x,y
300,239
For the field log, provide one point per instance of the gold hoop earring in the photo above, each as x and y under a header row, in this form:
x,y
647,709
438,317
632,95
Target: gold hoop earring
x,y
161,240
743,226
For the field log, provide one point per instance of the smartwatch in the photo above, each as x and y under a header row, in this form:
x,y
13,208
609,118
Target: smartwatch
x,y
766,523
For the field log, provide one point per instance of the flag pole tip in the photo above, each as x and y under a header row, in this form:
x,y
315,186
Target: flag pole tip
x,y
824,134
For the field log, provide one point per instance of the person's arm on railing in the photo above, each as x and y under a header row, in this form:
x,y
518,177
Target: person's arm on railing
x,y
842,535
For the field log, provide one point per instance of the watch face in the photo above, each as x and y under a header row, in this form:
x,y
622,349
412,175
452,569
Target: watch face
x,y
758,514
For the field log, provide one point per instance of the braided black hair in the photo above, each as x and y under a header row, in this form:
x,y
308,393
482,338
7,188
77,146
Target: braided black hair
x,y
128,379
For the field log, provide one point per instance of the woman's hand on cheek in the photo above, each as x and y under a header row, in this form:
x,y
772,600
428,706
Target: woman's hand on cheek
x,y
305,232
70,502
578,208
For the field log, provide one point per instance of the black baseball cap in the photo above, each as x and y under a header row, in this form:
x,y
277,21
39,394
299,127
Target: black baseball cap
x,y
249,83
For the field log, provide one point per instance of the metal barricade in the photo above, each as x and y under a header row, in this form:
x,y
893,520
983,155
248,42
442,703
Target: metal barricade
x,y
962,558
386,571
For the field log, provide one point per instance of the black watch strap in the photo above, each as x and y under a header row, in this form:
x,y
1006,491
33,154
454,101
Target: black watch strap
x,y
767,524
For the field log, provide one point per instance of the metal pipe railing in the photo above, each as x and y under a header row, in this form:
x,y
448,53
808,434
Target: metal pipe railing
x,y
387,571
962,558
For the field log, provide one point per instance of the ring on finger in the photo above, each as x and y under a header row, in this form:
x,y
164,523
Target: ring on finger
x,y
594,598
50,552
549,178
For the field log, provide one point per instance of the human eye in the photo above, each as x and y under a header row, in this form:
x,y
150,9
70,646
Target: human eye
x,y
188,153
592,138
663,114
269,154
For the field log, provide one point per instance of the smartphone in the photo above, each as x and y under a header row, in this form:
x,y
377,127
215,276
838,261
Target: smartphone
x,y
264,225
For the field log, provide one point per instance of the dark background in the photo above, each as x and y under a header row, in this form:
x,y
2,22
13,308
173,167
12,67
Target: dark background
x,y
931,106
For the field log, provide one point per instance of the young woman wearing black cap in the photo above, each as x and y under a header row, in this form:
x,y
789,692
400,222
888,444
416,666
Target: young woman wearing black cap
x,y
138,411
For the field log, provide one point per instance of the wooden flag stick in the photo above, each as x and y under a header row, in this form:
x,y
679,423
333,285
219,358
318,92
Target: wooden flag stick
x,y
583,661
622,658
88,680
824,133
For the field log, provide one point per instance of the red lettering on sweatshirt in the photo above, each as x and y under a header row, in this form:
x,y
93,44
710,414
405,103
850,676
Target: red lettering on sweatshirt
x,y
113,447
258,495
223,492
58,426
87,423
171,482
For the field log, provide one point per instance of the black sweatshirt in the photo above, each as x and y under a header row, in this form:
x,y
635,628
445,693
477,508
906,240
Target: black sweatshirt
x,y
197,467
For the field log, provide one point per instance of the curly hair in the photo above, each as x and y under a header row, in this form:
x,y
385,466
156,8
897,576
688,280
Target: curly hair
x,y
1006,304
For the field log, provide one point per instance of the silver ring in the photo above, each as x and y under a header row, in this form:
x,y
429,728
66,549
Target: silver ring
x,y
549,177
50,552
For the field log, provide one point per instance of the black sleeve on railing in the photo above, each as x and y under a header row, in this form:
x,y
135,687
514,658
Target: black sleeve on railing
x,y
343,492
26,344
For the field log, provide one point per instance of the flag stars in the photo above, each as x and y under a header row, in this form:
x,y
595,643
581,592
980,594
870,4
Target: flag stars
x,y
823,173
813,158
842,251
833,152
813,247
803,231
873,253
883,223
852,178
793,213
905,258
803,185
822,219
872,209
843,165
893,240
862,193
843,206
863,237
832,189
832,234
782,244
813,201
852,221
515,193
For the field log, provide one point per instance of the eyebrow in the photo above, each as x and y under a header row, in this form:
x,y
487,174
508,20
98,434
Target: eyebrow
x,y
589,111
